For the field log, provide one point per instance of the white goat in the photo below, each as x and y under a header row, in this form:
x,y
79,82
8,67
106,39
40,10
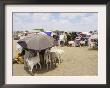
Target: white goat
x,y
33,61
47,58
71,43
56,55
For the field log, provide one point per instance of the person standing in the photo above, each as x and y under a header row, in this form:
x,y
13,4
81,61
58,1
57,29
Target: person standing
x,y
68,38
65,37
62,39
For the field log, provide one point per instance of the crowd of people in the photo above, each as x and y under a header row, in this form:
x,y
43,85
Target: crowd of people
x,y
67,39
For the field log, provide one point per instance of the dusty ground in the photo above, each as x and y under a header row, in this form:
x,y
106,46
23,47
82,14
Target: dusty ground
x,y
77,61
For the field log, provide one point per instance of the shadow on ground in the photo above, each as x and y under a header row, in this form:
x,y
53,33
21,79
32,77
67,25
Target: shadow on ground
x,y
40,71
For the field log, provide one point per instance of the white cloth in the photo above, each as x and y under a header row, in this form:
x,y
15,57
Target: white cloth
x,y
62,38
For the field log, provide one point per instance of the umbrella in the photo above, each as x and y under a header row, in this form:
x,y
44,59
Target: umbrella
x,y
37,42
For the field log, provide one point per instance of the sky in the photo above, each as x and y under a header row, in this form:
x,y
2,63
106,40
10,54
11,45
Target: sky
x,y
82,22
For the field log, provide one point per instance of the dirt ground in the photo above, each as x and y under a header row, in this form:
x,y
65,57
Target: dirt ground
x,y
77,61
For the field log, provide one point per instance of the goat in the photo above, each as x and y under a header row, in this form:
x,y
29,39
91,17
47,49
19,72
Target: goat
x,y
33,61
47,58
56,55
59,53
71,43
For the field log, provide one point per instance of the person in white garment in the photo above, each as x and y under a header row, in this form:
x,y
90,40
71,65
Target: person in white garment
x,y
62,39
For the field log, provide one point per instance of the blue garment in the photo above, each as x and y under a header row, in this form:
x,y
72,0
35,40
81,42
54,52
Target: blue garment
x,y
48,33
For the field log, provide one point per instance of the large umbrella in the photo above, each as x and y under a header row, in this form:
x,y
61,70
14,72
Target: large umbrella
x,y
37,42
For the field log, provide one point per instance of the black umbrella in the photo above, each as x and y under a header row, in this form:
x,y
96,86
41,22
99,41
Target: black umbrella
x,y
37,42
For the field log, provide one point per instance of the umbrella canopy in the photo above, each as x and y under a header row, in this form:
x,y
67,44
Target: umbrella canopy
x,y
37,42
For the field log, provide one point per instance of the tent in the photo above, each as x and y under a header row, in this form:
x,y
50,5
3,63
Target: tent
x,y
49,33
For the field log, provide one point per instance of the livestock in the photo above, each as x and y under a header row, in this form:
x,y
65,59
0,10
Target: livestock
x,y
47,58
71,43
31,61
56,55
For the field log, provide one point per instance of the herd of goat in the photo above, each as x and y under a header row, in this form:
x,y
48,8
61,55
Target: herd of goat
x,y
51,56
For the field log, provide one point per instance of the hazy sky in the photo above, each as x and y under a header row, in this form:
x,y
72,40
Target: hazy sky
x,y
55,21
